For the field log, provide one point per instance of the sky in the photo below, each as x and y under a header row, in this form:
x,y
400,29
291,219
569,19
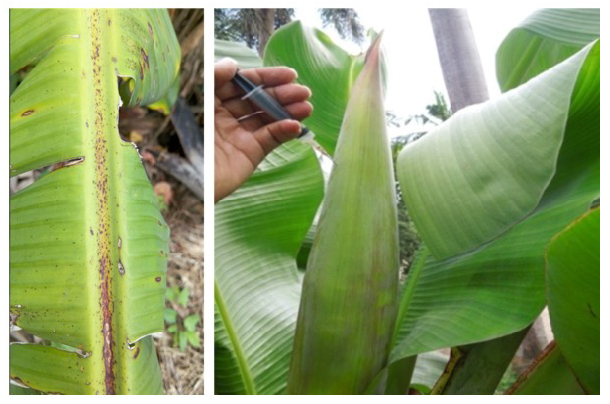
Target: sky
x,y
413,66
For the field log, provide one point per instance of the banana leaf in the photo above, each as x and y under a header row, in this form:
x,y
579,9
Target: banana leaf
x,y
573,290
257,284
487,191
545,38
246,57
324,67
349,295
428,368
88,243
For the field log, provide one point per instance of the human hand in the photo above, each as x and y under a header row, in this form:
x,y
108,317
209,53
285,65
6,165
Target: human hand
x,y
241,144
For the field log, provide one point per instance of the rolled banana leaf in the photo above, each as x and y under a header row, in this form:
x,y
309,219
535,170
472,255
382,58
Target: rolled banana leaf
x,y
348,301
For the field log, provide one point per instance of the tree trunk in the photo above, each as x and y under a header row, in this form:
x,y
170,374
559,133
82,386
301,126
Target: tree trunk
x,y
459,57
267,28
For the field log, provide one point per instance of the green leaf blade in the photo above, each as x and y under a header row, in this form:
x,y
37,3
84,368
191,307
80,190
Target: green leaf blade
x,y
28,46
48,253
46,118
70,371
323,66
246,57
489,166
544,39
480,296
573,279
258,231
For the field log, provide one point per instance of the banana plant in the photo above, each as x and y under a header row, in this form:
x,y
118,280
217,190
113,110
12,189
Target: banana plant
x,y
488,190
88,243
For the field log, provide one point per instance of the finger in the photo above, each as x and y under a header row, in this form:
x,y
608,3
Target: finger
x,y
298,111
224,71
240,139
285,94
272,135
266,76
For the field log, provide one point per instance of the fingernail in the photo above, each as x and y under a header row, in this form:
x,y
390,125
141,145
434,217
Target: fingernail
x,y
299,123
227,61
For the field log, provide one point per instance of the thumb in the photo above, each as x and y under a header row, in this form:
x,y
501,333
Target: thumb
x,y
272,135
224,71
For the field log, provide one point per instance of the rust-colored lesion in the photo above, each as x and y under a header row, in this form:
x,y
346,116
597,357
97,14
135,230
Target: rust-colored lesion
x,y
28,112
144,58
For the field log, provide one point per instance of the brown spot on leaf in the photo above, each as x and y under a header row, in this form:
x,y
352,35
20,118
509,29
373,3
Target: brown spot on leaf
x,y
91,231
158,279
150,30
144,57
141,73
28,112
135,355
18,380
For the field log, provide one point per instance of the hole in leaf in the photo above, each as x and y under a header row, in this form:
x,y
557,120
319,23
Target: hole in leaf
x,y
24,180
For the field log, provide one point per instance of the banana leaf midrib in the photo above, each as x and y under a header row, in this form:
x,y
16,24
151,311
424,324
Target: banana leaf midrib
x,y
248,380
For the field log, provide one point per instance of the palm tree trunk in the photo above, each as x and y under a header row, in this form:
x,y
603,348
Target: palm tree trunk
x,y
459,57
267,28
